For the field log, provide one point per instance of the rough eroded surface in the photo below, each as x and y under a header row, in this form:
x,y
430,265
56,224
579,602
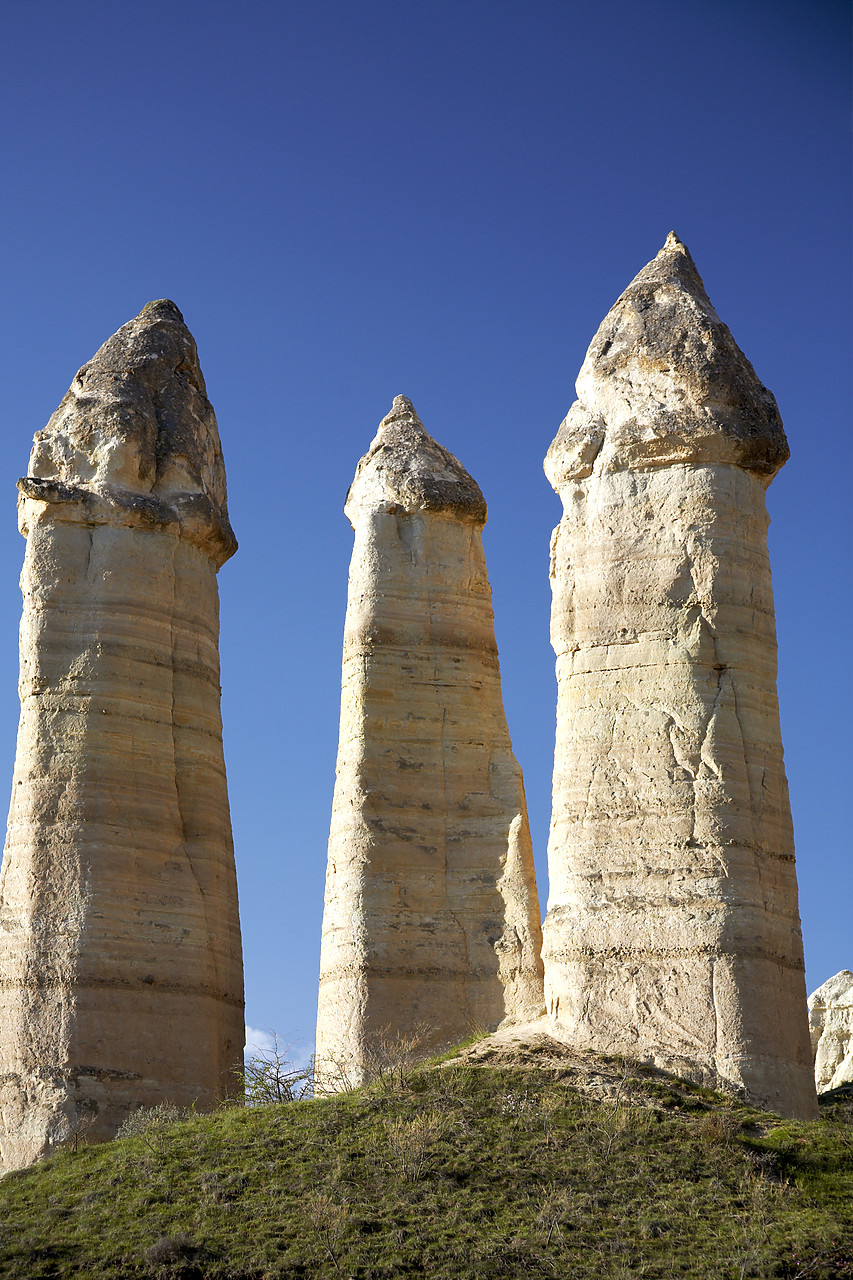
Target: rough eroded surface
x,y
431,923
831,1024
120,963
672,931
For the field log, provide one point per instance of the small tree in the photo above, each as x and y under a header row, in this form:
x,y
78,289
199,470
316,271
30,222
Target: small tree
x,y
270,1076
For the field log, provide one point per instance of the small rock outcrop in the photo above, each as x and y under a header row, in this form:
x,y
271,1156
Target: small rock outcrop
x,y
831,1025
431,922
120,952
672,932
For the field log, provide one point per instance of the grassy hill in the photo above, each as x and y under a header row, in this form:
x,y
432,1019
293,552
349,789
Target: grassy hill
x,y
494,1167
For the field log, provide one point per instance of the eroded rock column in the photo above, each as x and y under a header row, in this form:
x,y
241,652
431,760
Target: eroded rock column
x,y
120,961
672,932
831,1026
431,921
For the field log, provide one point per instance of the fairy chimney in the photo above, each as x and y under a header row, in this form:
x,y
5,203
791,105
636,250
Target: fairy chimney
x,y
431,923
119,936
672,932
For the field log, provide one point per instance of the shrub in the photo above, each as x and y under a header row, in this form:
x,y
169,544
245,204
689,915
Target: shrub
x,y
151,1123
168,1249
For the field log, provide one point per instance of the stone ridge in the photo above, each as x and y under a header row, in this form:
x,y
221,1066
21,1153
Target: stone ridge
x,y
665,382
406,467
136,436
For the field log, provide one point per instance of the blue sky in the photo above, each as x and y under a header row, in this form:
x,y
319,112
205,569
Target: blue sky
x,y
354,199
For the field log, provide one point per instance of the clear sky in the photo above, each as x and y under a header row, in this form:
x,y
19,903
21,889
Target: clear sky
x,y
354,199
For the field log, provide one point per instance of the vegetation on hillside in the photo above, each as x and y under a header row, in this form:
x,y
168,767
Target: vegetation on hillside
x,y
449,1171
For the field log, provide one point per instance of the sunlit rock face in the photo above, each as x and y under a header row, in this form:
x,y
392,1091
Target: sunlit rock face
x,y
672,932
431,923
831,1025
119,939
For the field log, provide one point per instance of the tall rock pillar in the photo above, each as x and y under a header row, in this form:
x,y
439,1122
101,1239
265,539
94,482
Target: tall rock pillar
x,y
431,921
120,963
672,932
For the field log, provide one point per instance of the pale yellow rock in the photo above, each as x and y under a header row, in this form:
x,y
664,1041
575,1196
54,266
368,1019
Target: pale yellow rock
x,y
120,962
831,1025
672,932
431,922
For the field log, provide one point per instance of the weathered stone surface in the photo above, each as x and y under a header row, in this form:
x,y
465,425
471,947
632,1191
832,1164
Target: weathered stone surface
x,y
120,964
672,931
431,920
831,1025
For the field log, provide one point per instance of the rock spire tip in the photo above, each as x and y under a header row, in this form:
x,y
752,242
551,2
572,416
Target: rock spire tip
x,y
162,308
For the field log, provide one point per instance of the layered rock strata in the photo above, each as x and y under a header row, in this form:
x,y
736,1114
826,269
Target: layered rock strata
x,y
120,963
431,923
831,1025
672,932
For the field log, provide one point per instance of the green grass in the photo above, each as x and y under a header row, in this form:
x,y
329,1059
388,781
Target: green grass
x,y
468,1173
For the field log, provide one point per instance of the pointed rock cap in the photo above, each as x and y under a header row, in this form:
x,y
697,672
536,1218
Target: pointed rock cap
x,y
407,471
837,991
137,432
665,382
